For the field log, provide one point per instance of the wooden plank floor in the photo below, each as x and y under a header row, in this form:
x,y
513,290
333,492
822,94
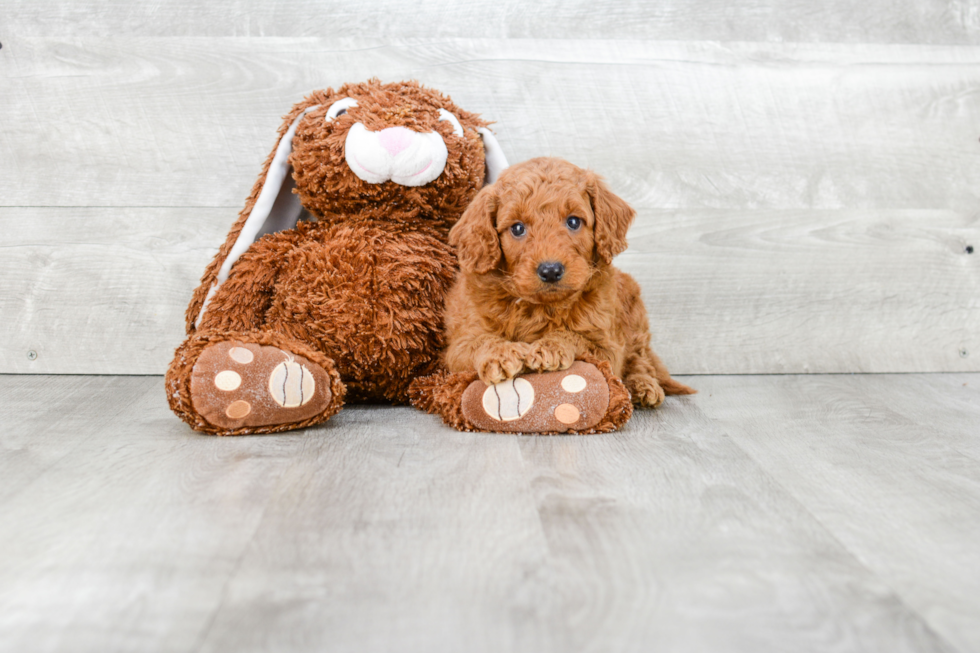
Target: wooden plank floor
x,y
768,513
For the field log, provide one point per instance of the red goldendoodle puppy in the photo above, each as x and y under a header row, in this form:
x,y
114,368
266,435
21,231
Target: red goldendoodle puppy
x,y
537,288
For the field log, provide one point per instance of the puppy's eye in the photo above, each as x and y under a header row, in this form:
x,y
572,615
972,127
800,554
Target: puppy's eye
x,y
518,229
573,222
340,107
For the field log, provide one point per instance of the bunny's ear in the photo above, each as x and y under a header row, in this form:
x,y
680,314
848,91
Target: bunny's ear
x,y
496,162
275,209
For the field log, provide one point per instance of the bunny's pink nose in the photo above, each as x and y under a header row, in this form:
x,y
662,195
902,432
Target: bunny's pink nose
x,y
395,139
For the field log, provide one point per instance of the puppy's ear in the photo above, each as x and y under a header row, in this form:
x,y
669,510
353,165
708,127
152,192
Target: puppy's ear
x,y
613,218
475,235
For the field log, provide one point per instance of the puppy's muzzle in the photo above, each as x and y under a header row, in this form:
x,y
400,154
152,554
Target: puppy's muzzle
x,y
551,272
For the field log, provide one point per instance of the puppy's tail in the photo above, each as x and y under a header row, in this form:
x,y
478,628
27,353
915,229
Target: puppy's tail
x,y
672,386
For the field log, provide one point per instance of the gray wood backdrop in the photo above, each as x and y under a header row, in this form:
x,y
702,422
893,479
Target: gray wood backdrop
x,y
807,175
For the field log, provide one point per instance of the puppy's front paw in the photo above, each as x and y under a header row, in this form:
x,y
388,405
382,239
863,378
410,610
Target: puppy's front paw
x,y
646,390
549,356
502,362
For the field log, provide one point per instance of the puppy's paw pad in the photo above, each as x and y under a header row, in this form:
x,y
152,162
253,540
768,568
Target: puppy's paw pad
x,y
548,402
491,372
236,384
547,357
503,364
646,391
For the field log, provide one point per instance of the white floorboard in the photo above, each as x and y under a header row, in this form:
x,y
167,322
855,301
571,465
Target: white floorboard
x,y
187,121
877,21
769,513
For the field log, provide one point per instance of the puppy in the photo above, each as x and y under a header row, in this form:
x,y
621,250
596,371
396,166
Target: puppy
x,y
537,288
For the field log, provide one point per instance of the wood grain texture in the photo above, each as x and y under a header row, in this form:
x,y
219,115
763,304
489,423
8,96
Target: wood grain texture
x,y
187,121
887,463
741,292
762,514
676,482
100,291
137,532
875,21
45,417
103,290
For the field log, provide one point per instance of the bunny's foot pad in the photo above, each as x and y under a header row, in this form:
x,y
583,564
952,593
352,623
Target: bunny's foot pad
x,y
235,384
572,400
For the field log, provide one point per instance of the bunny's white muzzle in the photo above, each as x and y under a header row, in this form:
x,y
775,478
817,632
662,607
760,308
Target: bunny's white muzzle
x,y
405,157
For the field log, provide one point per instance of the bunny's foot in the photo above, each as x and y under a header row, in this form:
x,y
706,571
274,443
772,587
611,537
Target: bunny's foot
x,y
585,398
236,387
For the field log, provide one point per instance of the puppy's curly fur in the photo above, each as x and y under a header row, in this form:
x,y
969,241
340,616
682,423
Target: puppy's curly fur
x,y
503,318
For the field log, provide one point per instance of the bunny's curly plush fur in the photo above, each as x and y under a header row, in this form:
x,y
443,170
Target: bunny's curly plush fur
x,y
348,303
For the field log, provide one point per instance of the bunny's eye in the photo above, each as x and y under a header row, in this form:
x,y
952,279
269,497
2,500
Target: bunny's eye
x,y
457,128
340,107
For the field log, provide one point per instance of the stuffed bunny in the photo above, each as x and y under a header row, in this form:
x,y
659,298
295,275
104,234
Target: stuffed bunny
x,y
331,283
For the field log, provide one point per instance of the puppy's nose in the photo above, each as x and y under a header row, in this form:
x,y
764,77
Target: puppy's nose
x,y
551,272
395,139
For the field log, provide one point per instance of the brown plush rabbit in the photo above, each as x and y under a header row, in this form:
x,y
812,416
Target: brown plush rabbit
x,y
332,282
